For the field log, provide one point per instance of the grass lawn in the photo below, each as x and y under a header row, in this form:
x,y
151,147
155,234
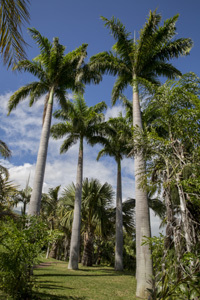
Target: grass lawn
x,y
56,282
88,283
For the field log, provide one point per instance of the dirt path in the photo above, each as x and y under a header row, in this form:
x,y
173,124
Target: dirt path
x,y
47,264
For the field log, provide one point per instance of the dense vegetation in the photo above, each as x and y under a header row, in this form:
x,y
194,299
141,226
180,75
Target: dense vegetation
x,y
80,224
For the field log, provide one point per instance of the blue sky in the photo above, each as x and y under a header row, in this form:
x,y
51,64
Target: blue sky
x,y
76,22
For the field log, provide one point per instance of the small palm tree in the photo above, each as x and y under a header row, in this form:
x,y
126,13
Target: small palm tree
x,y
95,211
96,201
138,63
23,197
80,122
49,212
116,138
56,72
13,14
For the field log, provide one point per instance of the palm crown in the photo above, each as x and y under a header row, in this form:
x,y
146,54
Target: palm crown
x,y
55,70
144,59
80,121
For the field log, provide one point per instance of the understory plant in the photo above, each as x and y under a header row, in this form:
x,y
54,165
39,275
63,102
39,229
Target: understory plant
x,y
174,278
21,242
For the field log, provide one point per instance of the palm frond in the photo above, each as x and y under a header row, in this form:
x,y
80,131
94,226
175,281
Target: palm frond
x,y
20,95
120,84
32,67
68,143
4,150
60,129
13,14
174,49
106,63
42,42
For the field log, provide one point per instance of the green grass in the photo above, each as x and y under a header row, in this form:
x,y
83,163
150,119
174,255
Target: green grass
x,y
87,283
56,282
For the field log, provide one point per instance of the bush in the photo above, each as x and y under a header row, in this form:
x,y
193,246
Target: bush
x,y
20,245
175,278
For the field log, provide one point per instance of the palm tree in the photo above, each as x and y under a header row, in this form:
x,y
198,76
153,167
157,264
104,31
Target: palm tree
x,y
81,122
96,201
49,209
116,139
23,197
13,14
56,73
138,63
95,210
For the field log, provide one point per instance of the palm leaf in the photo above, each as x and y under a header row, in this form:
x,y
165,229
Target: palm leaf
x,y
13,14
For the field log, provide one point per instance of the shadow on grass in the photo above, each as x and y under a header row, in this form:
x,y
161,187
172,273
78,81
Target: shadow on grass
x,y
48,285
88,273
46,296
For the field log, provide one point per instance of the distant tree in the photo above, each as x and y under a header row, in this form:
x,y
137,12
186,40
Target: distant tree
x,y
138,63
23,196
80,122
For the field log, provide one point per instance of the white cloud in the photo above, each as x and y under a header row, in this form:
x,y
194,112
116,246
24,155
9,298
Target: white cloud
x,y
114,111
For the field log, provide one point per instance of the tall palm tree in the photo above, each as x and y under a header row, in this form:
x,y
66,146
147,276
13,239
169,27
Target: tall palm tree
x,y
56,72
13,14
80,122
116,139
138,63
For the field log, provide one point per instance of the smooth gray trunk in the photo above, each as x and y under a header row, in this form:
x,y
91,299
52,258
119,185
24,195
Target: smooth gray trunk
x,y
119,222
35,202
76,226
144,268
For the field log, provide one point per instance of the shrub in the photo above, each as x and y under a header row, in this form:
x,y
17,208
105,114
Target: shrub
x,y
20,245
175,278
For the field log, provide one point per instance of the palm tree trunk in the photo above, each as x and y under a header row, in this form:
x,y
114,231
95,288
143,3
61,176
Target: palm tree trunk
x,y
144,268
76,226
87,259
34,206
119,222
54,249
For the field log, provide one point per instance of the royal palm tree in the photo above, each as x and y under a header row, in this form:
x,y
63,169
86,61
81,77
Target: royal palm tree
x,y
80,122
116,138
138,63
56,72
13,14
